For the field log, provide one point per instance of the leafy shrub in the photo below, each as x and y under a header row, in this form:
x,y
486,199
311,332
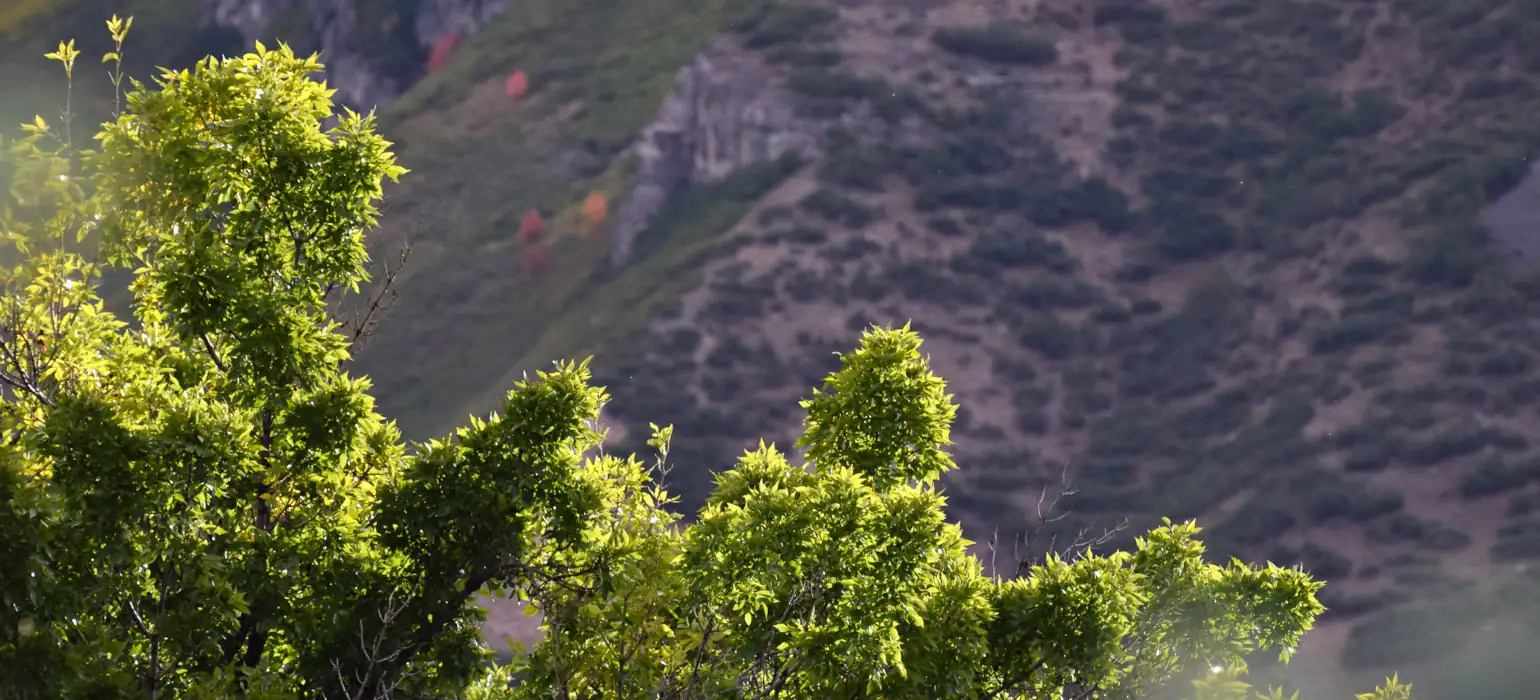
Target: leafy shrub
x,y
1127,117
1320,561
837,208
1107,472
681,341
1447,444
1032,420
1050,336
945,226
1190,135
997,44
1328,496
1367,266
1343,604
1045,294
805,57
1169,183
831,84
1397,635
849,166
1324,116
1186,344
1449,255
925,282
1325,562
1487,87
1494,475
1137,91
1201,36
1122,150
1111,314
968,193
801,235
1193,236
1350,333
1382,305
1223,414
1137,20
1098,200
1505,362
1369,457
1255,523
1405,527
779,23
1029,250
1517,541
1126,433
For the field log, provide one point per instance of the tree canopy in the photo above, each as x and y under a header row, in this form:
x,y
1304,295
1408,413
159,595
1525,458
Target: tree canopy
x,y
199,500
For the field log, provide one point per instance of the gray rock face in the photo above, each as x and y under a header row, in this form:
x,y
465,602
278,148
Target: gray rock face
x,y
1514,220
358,70
249,17
726,111
436,18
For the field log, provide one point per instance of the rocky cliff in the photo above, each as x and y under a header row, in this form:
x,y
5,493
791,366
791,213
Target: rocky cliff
x,y
372,51
725,112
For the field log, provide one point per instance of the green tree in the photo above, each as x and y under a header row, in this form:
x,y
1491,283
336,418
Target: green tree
x,y
844,579
199,501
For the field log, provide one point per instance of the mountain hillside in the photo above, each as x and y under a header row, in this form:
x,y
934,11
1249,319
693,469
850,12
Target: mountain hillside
x,y
1261,264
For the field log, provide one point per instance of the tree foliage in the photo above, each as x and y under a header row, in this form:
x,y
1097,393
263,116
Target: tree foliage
x,y
200,501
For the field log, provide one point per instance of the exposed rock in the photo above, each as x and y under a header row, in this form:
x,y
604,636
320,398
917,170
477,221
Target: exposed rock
x,y
362,52
436,18
249,17
1513,219
726,111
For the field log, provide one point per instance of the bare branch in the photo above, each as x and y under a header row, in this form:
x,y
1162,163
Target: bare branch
x,y
1046,512
363,322
208,346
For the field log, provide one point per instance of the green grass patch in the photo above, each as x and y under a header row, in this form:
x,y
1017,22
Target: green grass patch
x,y
611,306
468,320
616,61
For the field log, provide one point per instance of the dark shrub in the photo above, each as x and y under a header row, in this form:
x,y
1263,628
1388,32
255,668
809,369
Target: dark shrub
x,y
1051,337
779,23
996,44
1517,541
1199,235
1394,637
1022,251
1405,527
1494,476
835,207
1132,16
828,84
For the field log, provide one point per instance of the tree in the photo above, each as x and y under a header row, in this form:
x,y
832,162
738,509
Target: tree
x,y
199,501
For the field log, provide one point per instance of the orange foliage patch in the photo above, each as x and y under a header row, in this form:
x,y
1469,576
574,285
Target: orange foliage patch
x,y
518,84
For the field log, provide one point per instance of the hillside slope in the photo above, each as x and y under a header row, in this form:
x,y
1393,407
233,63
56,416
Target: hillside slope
x,y
1252,263
1225,261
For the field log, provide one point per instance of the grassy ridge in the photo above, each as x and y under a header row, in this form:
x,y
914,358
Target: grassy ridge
x,y
468,319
